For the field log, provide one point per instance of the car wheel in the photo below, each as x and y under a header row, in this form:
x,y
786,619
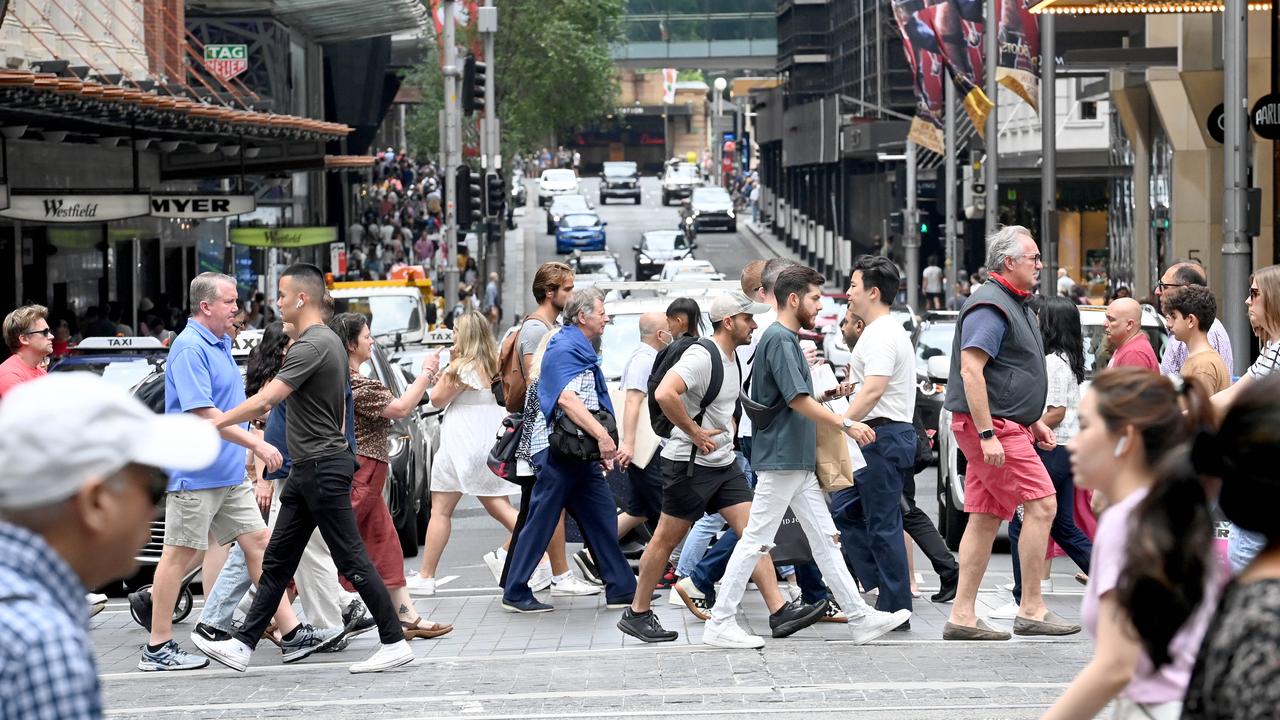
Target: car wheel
x,y
951,520
733,228
666,200
602,201
424,510
637,199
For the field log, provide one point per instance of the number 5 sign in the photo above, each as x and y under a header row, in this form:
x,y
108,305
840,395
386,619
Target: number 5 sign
x,y
226,61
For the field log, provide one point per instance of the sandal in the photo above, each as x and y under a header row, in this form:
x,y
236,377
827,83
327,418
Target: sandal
x,y
417,629
272,633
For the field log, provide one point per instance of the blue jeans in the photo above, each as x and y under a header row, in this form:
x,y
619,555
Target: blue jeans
x,y
869,516
580,488
696,542
227,591
1064,530
1243,546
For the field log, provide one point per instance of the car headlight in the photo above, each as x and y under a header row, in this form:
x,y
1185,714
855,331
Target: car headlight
x,y
396,444
644,258
730,213
929,388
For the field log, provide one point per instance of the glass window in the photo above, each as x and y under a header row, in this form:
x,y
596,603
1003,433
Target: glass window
x,y
386,313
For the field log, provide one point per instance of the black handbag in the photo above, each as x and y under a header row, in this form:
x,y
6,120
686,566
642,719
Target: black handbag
x,y
502,458
572,442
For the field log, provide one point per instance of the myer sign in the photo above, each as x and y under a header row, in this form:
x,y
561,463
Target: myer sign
x,y
76,208
200,206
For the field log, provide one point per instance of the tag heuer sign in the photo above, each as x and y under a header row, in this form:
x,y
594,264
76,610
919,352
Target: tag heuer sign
x,y
226,61
200,206
76,208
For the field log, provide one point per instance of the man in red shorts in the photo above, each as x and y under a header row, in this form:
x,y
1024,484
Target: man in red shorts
x,y
996,394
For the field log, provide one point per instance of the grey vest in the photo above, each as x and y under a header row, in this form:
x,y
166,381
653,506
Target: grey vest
x,y
1016,379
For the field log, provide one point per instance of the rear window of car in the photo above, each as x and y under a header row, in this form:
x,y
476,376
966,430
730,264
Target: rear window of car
x,y
558,175
671,241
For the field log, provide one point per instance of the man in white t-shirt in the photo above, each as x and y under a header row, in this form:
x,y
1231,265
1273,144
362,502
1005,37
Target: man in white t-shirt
x,y
646,481
882,364
700,470
932,282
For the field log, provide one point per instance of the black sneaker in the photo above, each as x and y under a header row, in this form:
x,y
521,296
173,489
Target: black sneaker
x,y
587,566
796,616
645,626
210,633
140,607
355,621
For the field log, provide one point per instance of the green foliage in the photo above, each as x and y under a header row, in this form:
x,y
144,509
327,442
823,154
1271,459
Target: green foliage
x,y
555,73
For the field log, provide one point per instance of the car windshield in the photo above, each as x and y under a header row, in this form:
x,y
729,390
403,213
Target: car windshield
x,y
387,313
558,176
599,266
619,169
935,339
673,240
123,372
579,221
711,195
683,172
569,203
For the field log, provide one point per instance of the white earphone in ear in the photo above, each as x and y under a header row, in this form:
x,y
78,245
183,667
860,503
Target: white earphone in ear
x,y
1121,445
298,305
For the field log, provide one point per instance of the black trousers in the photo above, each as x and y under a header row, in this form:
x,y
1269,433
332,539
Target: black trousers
x,y
925,534
318,494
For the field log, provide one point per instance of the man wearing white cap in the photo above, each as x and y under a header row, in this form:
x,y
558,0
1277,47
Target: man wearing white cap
x,y
700,472
82,479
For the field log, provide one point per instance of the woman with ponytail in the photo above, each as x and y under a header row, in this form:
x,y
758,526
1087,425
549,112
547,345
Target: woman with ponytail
x,y
1153,578
1237,673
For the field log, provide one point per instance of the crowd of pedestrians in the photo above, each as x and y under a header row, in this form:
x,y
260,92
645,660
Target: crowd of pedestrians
x,y
734,430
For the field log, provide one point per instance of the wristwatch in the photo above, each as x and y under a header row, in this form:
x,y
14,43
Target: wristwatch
x,y
847,424
986,434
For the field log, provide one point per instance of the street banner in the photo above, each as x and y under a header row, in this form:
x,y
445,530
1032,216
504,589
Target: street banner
x,y
286,237
928,72
958,26
1019,66
226,61
669,76
201,207
73,208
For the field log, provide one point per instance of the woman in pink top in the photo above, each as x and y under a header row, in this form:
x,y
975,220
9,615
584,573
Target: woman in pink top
x,y
1153,580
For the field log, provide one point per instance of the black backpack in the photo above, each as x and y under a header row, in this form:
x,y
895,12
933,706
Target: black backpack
x,y
667,358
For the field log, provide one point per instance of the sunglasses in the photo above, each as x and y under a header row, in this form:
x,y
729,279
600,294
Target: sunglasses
x,y
47,332
238,326
1254,293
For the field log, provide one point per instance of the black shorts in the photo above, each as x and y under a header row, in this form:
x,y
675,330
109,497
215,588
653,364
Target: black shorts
x,y
709,490
646,489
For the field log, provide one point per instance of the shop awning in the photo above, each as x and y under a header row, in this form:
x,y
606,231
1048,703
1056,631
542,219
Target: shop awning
x,y
328,20
1133,7
348,162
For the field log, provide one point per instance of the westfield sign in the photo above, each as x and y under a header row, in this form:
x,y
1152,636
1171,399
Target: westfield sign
x,y
75,208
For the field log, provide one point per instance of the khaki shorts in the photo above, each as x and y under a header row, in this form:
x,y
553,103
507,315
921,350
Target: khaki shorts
x,y
190,516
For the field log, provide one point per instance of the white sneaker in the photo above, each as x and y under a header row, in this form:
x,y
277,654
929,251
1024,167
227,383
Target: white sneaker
x,y
792,591
729,635
387,657
573,586
541,578
673,597
419,586
1007,611
495,564
875,624
232,653
97,602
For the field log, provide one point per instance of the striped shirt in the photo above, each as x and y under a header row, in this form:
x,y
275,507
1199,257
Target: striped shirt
x,y
1268,361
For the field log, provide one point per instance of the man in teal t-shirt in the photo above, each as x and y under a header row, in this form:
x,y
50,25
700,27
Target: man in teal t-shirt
x,y
784,458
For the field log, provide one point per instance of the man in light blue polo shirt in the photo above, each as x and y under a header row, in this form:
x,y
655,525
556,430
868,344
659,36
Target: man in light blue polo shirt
x,y
201,378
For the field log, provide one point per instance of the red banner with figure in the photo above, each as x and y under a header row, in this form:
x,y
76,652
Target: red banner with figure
x,y
928,72
1019,66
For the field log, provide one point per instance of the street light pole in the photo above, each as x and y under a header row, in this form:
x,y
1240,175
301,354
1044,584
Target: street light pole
x,y
487,23
1237,254
992,165
1048,155
452,155
716,136
911,234
952,259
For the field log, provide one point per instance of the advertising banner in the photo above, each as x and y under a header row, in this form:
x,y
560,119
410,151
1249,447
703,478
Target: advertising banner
x,y
928,72
73,208
669,76
286,237
1019,65
201,206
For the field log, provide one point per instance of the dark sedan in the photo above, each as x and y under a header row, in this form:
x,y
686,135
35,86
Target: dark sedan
x,y
710,207
657,248
620,180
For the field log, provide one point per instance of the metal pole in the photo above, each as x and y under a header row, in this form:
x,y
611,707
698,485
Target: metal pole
x,y
1048,156
911,236
492,151
992,165
952,260
452,155
1236,250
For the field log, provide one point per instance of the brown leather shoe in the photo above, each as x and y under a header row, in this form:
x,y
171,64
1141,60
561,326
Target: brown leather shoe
x,y
981,631
422,629
1050,625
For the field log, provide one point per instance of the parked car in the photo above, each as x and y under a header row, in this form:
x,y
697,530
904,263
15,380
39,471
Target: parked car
x,y
659,247
933,338
710,207
951,462
679,181
555,182
563,205
580,231
599,262
620,179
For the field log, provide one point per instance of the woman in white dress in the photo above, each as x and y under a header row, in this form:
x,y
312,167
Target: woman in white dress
x,y
471,419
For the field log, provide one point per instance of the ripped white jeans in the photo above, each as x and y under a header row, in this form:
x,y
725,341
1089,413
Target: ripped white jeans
x,y
775,490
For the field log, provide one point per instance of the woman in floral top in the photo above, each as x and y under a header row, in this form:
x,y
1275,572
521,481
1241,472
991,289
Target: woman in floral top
x,y
376,407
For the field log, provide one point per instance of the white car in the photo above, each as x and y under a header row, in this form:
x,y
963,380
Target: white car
x,y
702,268
557,181
952,518
679,181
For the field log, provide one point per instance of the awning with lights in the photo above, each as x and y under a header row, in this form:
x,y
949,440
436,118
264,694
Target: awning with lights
x,y
1132,7
328,20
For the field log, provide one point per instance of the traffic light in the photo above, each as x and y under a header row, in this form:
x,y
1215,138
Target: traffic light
x,y
474,77
495,194
470,200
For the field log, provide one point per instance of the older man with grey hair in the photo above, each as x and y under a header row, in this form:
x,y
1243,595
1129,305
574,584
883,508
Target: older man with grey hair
x,y
574,405
996,394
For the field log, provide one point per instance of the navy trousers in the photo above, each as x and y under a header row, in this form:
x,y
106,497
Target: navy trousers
x,y
1064,530
869,516
580,488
